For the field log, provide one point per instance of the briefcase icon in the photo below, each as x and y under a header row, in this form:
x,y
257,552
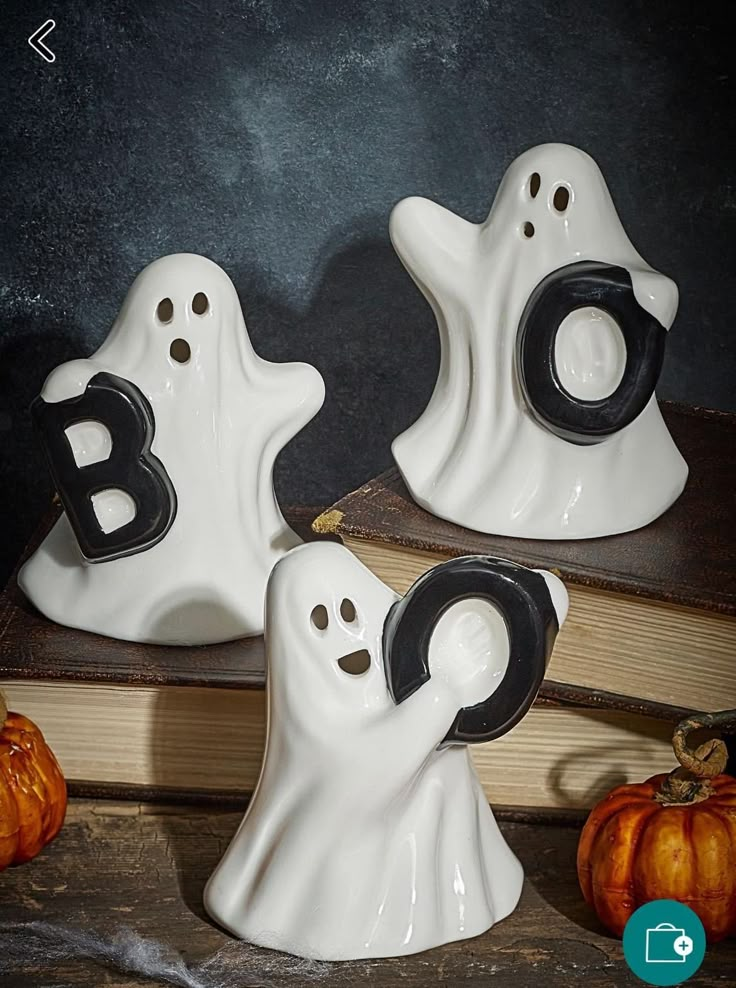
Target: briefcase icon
x,y
661,942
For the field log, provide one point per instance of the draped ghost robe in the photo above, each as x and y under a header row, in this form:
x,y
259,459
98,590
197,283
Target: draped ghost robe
x,y
476,455
362,839
220,421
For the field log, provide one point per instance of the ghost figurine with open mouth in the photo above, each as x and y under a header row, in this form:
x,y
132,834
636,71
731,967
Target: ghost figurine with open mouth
x,y
369,834
161,446
543,422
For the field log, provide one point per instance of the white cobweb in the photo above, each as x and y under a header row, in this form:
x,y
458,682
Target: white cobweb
x,y
40,945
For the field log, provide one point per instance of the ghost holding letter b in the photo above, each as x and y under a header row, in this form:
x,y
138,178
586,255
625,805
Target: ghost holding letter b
x,y
161,446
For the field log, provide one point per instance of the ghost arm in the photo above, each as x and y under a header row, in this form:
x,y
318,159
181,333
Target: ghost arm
x,y
412,730
289,396
656,293
468,657
435,246
297,393
69,380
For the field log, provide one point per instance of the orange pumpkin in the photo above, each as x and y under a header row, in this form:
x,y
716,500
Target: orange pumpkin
x,y
32,790
671,837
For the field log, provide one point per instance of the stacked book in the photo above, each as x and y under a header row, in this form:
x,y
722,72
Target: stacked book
x,y
650,636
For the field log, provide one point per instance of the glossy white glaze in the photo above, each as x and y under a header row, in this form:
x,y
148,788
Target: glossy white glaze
x,y
476,455
221,419
363,839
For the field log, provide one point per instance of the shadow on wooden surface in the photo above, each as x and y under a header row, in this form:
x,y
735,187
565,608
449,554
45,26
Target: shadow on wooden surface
x,y
196,843
550,869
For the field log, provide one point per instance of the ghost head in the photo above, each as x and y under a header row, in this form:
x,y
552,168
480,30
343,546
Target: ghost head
x,y
176,390
543,422
324,623
181,314
375,824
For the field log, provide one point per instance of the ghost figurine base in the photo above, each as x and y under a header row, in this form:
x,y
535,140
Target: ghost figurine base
x,y
543,422
369,834
161,446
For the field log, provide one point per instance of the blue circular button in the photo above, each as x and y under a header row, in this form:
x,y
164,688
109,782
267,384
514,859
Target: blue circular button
x,y
664,942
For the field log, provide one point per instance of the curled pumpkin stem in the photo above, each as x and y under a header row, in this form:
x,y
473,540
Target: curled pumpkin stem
x,y
690,782
708,759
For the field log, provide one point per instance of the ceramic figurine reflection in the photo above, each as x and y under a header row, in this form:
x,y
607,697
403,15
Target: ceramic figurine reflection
x,y
369,834
543,422
162,446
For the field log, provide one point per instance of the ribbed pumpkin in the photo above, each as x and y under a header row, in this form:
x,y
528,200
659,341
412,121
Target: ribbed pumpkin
x,y
671,837
32,790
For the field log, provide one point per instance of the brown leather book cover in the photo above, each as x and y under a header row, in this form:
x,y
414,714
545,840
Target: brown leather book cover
x,y
686,557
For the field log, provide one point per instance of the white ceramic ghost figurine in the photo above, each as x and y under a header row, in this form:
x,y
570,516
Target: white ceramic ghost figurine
x,y
481,454
222,414
365,838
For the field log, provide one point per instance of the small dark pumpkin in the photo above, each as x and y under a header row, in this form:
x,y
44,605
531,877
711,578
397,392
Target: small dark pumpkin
x,y
32,790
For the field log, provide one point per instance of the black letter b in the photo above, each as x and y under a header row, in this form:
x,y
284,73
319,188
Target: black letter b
x,y
131,467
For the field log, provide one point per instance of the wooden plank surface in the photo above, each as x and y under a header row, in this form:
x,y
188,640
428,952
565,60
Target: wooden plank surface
x,y
145,866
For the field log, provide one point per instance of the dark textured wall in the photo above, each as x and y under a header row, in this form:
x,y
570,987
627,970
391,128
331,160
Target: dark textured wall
x,y
275,138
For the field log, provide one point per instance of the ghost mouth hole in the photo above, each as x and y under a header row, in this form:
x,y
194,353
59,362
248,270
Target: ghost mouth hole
x,y
528,229
180,351
355,663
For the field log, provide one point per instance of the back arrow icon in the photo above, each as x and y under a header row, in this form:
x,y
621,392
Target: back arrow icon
x,y
36,40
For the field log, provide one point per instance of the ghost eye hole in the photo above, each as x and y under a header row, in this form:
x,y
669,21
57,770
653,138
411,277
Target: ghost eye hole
x,y
561,198
165,310
534,183
319,617
200,304
347,610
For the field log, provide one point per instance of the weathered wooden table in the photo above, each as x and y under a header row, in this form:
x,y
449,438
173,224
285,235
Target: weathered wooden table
x,y
144,867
